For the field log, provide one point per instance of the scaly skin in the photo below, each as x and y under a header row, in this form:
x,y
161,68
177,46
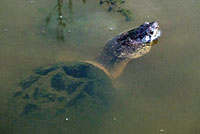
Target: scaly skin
x,y
128,45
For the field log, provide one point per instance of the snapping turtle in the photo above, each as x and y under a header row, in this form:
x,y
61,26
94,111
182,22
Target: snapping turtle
x,y
81,91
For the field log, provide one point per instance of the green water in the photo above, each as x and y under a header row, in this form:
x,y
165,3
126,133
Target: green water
x,y
157,93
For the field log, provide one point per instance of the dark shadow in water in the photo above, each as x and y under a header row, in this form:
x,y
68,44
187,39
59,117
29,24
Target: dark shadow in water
x,y
66,17
84,1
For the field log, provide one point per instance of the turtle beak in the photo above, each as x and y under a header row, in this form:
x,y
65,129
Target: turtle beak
x,y
153,42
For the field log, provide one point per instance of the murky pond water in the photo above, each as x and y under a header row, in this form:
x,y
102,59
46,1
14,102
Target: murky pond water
x,y
157,93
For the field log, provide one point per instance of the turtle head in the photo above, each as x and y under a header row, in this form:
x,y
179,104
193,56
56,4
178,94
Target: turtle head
x,y
148,32
137,42
130,44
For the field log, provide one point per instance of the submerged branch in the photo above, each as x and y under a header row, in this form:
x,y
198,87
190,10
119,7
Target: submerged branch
x,y
115,5
64,14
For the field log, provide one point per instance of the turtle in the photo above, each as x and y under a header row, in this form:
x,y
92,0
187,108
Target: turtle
x,y
81,91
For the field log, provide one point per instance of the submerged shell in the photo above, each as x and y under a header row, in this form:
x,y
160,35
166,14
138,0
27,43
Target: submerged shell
x,y
75,91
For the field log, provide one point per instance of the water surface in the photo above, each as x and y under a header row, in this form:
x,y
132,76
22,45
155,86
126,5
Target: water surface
x,y
157,93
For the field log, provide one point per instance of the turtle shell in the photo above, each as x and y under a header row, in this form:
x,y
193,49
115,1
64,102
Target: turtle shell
x,y
76,91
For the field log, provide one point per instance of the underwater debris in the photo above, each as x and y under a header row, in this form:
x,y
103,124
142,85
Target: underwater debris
x,y
115,5
64,15
62,20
